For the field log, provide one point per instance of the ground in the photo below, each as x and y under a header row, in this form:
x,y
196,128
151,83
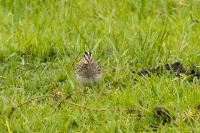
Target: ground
x,y
41,40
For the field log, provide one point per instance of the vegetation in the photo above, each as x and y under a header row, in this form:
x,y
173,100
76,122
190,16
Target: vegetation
x,y
40,40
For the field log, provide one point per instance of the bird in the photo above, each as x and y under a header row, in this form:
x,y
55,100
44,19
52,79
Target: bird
x,y
88,71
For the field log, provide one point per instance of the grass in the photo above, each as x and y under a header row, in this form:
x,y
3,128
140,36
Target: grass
x,y
40,41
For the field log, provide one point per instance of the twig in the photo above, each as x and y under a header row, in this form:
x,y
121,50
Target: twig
x,y
30,100
64,99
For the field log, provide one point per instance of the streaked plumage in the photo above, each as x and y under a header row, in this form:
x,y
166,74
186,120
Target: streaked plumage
x,y
88,71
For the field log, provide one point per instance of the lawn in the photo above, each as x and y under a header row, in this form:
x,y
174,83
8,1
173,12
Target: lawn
x,y
41,40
